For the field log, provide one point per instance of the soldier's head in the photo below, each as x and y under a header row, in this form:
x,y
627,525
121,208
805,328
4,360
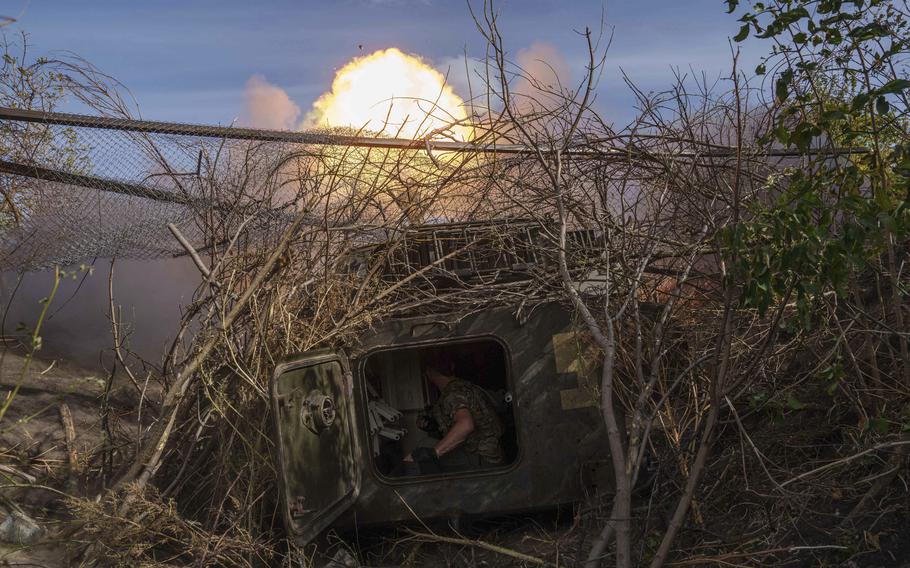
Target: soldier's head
x,y
438,368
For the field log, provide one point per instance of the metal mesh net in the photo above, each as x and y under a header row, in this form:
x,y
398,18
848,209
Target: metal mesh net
x,y
77,187
73,192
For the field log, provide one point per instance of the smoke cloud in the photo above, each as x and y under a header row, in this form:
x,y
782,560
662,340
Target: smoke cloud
x,y
150,294
464,76
544,71
541,69
268,106
542,63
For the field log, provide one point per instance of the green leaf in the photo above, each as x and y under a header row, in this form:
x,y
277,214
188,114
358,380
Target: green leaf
x,y
782,85
894,86
879,424
869,31
829,6
743,33
802,137
760,70
791,16
833,36
859,101
881,105
793,403
833,114
782,133
731,5
902,167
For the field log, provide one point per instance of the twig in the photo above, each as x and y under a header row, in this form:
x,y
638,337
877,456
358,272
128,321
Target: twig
x,y
846,460
9,470
147,463
882,481
69,432
748,438
480,544
189,250
707,560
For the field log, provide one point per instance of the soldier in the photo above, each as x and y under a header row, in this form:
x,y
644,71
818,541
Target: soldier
x,y
467,423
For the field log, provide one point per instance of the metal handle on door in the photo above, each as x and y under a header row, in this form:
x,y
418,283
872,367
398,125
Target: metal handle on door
x,y
318,412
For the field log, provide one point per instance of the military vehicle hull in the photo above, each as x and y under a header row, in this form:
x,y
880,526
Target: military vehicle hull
x,y
329,476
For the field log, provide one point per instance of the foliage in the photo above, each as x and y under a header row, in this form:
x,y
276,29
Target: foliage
x,y
840,101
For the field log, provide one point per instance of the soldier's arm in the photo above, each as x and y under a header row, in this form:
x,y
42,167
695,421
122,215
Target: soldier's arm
x,y
461,428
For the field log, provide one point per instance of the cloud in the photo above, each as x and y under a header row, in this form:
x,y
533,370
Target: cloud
x,y
268,106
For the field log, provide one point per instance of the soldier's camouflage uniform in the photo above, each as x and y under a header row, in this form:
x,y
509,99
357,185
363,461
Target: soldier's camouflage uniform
x,y
483,442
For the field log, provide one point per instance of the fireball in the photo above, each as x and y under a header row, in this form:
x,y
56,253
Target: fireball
x,y
390,93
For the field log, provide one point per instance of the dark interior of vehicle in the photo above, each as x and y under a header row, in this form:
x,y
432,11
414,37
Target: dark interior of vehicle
x,y
398,395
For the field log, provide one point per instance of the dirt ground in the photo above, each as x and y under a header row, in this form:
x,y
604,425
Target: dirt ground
x,y
53,440
50,438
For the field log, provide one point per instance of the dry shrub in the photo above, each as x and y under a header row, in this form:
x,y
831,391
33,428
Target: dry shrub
x,y
156,534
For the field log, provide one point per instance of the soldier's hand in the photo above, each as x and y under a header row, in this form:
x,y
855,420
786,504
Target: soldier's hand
x,y
424,453
427,460
429,425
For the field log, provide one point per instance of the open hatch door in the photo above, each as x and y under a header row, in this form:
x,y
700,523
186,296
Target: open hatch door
x,y
313,402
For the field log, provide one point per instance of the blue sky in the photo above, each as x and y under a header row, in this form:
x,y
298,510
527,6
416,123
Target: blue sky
x,y
189,61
